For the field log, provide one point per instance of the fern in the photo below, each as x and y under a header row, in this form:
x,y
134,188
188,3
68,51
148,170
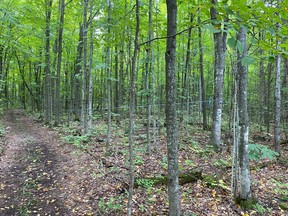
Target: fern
x,y
258,152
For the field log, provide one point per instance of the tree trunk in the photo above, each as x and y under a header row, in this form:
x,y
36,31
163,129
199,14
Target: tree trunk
x,y
149,70
116,81
75,79
172,145
219,62
59,62
285,86
262,90
47,81
108,66
90,97
186,78
132,110
1,66
277,111
202,80
84,74
242,80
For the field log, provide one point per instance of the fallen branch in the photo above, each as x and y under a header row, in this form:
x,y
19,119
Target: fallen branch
x,y
184,178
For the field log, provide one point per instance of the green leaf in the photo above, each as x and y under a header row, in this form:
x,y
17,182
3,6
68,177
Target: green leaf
x,y
271,58
271,30
212,29
240,47
232,42
228,10
247,60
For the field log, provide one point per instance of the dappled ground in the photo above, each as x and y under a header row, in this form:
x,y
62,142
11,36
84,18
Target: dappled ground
x,y
29,173
59,172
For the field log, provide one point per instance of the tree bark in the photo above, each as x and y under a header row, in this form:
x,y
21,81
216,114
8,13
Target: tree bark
x,y
47,81
84,74
201,62
108,66
59,62
75,79
219,63
242,80
132,110
90,97
172,145
277,111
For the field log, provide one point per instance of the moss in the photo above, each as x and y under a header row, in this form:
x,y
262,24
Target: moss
x,y
246,203
184,178
283,205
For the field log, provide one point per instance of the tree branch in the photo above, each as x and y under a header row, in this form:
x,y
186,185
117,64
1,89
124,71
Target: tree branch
x,y
178,33
68,3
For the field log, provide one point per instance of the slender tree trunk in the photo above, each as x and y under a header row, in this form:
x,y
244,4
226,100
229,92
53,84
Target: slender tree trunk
x,y
84,74
1,66
277,112
172,145
132,110
219,63
90,97
47,82
268,97
75,79
149,70
186,78
59,62
148,108
285,85
242,80
117,100
262,90
202,80
108,66
121,76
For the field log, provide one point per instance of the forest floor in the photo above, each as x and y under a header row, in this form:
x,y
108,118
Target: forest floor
x,y
46,171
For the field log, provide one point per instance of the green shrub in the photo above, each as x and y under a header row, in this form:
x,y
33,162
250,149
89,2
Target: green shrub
x,y
110,205
78,141
146,183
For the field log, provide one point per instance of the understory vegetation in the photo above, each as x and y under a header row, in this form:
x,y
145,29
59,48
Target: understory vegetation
x,y
208,186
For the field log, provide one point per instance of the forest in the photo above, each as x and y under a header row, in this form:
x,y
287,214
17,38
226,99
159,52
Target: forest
x,y
153,107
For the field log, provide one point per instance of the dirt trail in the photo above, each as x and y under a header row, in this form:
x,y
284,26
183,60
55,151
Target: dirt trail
x,y
29,169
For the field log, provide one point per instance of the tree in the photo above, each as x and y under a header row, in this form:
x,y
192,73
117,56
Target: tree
x,y
84,72
90,98
277,115
219,65
47,83
242,190
59,61
132,110
108,66
171,129
149,67
202,80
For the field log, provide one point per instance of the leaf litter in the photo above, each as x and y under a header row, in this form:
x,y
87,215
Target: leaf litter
x,y
42,175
